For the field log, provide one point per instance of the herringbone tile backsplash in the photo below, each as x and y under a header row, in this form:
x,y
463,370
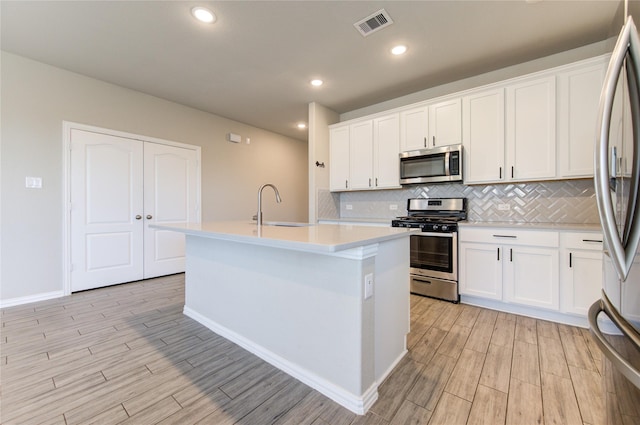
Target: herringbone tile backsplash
x,y
571,201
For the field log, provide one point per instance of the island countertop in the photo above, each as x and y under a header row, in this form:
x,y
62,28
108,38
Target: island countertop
x,y
315,237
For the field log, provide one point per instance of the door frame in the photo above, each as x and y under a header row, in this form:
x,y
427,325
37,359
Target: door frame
x,y
67,127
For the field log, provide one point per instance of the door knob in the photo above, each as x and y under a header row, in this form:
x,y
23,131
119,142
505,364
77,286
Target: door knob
x,y
149,217
138,217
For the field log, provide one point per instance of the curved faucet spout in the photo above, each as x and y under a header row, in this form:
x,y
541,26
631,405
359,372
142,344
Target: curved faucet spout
x,y
278,200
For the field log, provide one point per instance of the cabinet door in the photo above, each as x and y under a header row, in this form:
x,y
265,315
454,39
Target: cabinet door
x,y
531,129
414,128
480,269
361,155
445,123
170,196
578,100
531,276
581,280
483,136
339,158
386,142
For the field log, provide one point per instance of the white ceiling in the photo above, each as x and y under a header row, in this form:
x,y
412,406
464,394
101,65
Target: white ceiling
x,y
254,64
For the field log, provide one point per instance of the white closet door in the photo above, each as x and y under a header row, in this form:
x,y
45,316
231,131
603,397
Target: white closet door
x,y
106,201
170,196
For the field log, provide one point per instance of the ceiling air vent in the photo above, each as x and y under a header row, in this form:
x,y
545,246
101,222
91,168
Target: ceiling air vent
x,y
373,23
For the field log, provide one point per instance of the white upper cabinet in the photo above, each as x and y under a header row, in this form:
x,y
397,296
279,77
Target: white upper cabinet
x,y
531,129
537,127
339,158
364,154
361,155
386,147
414,128
445,123
483,136
578,100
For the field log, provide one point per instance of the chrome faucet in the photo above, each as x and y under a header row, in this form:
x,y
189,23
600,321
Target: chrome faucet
x,y
278,200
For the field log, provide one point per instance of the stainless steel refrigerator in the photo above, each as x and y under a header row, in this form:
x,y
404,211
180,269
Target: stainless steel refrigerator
x,y
615,318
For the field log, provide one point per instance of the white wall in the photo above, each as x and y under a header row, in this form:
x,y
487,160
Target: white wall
x,y
320,118
37,98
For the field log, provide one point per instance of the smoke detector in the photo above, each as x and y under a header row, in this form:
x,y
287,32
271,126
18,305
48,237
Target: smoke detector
x,y
374,22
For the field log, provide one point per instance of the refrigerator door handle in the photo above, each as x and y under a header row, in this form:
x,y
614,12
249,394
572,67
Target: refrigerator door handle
x,y
620,363
622,251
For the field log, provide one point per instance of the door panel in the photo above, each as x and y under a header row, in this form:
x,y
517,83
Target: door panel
x,y
106,197
170,196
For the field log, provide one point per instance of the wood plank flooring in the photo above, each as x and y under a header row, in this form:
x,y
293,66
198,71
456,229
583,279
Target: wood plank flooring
x,y
127,355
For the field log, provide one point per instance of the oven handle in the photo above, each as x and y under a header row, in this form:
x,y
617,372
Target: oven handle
x,y
436,234
428,282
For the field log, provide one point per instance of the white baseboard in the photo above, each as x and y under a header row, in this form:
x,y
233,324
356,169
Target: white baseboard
x,y
357,404
11,302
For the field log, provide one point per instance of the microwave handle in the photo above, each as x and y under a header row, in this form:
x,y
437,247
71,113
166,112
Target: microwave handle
x,y
447,158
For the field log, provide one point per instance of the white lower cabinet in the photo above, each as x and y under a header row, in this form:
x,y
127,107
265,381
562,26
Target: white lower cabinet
x,y
528,271
531,276
580,271
518,267
480,270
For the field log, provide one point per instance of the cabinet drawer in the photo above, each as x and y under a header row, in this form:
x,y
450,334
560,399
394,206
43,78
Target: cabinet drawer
x,y
509,236
582,240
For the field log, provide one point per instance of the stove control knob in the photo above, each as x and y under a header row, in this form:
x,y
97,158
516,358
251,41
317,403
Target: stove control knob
x,y
436,227
445,227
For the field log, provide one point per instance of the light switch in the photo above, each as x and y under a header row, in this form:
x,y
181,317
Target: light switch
x,y
33,182
368,286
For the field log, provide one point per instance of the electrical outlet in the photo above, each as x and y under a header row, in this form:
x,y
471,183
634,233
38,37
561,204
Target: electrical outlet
x,y
348,207
393,207
368,286
504,207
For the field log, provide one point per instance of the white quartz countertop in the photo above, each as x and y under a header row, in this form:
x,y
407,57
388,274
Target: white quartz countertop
x,y
316,238
533,226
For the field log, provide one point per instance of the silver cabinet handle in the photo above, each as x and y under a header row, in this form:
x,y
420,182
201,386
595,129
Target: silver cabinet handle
x,y
505,236
149,217
592,240
620,363
433,142
376,182
425,142
369,181
138,217
622,255
346,184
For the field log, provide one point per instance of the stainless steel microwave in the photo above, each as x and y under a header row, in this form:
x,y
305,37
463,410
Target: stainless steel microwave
x,y
435,165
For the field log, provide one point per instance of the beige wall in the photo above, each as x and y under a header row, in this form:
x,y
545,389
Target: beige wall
x,y
536,65
37,98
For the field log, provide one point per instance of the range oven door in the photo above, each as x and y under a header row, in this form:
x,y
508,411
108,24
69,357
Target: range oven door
x,y
435,255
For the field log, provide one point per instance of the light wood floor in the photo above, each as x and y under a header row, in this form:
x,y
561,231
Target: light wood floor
x,y
127,354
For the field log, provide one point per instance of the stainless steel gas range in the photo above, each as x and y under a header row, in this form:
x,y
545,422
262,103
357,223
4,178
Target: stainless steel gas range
x,y
434,252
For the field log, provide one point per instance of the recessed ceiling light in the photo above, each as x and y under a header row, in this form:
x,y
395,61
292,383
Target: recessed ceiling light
x,y
398,50
302,126
203,15
316,83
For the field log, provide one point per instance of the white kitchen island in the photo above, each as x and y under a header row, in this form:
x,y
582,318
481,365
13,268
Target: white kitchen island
x,y
295,296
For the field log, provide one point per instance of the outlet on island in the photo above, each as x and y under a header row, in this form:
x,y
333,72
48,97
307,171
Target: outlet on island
x,y
348,207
